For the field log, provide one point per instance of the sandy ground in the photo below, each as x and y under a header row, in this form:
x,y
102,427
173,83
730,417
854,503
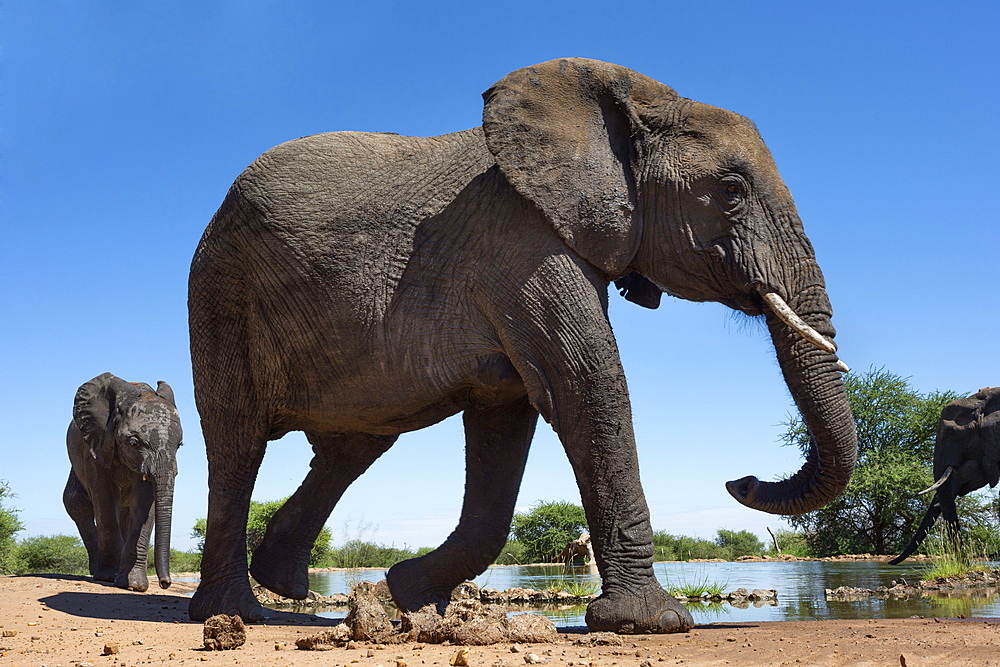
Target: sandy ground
x,y
68,621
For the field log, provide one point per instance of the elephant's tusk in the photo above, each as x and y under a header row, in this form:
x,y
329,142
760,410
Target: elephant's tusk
x,y
842,367
944,478
788,316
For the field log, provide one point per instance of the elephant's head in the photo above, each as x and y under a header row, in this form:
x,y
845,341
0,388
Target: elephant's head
x,y
966,458
130,423
666,194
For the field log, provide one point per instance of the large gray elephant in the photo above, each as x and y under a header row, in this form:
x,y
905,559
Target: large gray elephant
x,y
357,286
966,458
123,444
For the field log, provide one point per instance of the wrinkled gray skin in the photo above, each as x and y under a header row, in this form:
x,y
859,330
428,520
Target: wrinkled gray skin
x,y
358,286
122,444
968,442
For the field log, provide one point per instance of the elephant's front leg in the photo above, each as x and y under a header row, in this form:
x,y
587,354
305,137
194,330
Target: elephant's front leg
x,y
281,562
81,510
137,525
596,431
232,469
497,441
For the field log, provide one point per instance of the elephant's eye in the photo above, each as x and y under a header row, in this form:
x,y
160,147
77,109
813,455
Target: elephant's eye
x,y
733,191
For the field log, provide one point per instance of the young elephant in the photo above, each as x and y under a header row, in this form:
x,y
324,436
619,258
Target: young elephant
x,y
966,458
123,444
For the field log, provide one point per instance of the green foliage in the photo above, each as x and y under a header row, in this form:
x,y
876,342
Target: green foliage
x,y
59,554
512,554
257,519
667,547
183,561
880,509
358,553
9,525
547,528
792,543
737,544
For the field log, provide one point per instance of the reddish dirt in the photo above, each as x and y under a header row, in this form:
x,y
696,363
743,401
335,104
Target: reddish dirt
x,y
62,620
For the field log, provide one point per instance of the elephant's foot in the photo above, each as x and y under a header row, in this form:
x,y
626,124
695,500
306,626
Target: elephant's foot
x,y
105,573
413,586
134,580
647,610
225,597
279,573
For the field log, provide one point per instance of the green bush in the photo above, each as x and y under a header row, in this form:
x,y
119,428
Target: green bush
x,y
358,553
682,547
738,544
183,561
9,525
547,528
57,554
512,554
257,519
792,543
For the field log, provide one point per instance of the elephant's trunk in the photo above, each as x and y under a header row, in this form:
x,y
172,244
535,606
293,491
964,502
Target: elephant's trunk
x,y
814,380
164,484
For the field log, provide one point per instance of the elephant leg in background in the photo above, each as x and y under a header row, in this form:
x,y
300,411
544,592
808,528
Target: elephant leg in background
x,y
104,500
281,562
81,510
225,586
136,527
497,442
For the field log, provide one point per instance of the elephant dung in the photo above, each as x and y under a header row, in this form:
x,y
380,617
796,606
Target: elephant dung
x,y
325,641
470,622
367,619
223,632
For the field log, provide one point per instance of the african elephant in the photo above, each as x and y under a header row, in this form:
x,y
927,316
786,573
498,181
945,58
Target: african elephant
x,y
123,444
966,458
357,286
578,548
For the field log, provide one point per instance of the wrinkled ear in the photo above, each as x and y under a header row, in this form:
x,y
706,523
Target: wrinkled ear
x,y
94,412
165,391
639,289
563,133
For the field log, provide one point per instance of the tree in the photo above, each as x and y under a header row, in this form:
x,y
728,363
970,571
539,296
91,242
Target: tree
x,y
879,510
9,525
742,543
547,528
257,519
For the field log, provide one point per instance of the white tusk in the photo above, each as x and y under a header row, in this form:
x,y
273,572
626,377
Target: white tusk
x,y
842,367
942,480
788,316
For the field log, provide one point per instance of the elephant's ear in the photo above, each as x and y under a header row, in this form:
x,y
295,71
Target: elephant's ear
x,y
94,413
564,135
164,390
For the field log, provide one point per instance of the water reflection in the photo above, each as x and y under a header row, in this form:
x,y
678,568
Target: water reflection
x,y
801,589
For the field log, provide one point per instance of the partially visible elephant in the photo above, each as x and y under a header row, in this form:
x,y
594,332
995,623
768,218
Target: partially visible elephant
x,y
581,547
357,286
123,444
966,458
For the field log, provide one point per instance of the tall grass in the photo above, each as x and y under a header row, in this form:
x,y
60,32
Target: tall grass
x,y
955,555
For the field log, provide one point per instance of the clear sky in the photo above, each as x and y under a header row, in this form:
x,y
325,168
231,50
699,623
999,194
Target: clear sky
x,y
122,125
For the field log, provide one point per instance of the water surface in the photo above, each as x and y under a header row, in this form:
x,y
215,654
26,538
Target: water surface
x,y
801,589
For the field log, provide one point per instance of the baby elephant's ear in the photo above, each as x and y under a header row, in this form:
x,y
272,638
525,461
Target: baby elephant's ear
x,y
165,391
94,413
563,133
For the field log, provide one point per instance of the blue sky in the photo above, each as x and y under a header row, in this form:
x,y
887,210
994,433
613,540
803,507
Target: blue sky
x,y
122,126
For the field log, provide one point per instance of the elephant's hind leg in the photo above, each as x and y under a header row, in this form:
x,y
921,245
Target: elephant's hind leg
x,y
281,561
81,510
497,441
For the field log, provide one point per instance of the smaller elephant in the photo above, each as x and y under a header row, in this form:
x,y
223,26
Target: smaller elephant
x,y
966,458
123,444
578,548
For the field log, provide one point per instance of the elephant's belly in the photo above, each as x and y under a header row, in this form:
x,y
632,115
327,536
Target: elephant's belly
x,y
390,405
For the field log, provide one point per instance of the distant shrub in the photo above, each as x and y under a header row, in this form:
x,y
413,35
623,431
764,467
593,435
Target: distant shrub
x,y
9,525
512,554
358,553
547,528
56,554
682,547
737,544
